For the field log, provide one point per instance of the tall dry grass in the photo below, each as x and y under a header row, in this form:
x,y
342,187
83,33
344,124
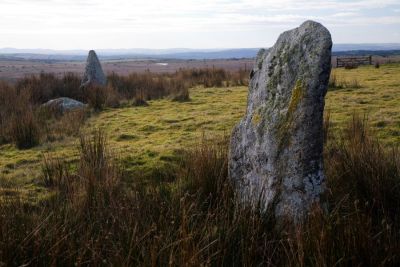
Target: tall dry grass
x,y
46,86
336,83
96,218
25,123
18,121
147,86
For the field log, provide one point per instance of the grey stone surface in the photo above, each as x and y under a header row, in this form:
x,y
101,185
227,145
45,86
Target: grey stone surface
x,y
275,156
94,74
63,104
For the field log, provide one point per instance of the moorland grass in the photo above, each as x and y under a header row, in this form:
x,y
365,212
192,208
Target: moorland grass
x,y
149,187
150,139
94,218
367,90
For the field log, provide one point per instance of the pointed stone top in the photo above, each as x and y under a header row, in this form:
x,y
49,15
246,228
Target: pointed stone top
x,y
311,23
93,72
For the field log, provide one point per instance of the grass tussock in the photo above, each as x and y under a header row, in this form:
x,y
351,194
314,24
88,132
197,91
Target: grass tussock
x,y
336,83
95,218
350,66
370,173
18,121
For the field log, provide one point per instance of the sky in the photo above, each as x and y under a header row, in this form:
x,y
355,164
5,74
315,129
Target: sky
x,y
101,24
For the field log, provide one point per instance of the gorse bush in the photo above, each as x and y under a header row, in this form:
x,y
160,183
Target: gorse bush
x,y
95,218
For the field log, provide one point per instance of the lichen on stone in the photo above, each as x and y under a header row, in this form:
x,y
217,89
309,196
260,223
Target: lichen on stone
x,y
256,119
284,125
297,95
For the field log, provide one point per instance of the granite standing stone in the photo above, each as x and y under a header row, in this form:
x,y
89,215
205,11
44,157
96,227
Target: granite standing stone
x,y
94,74
276,150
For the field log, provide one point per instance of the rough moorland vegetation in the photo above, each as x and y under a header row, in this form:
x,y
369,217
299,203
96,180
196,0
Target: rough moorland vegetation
x,y
82,201
26,123
95,217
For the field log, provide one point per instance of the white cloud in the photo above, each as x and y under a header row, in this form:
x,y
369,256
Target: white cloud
x,y
157,17
345,14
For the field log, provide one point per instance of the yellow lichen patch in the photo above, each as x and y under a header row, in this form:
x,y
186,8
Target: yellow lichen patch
x,y
284,126
297,94
256,119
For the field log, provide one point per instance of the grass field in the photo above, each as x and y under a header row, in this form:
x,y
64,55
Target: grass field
x,y
371,92
150,138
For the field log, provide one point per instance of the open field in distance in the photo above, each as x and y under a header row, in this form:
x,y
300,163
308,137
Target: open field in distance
x,y
12,70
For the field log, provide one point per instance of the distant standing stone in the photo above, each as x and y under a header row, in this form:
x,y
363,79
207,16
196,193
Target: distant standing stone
x,y
94,74
276,150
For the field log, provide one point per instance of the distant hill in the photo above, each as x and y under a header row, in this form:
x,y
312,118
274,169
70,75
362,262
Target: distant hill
x,y
114,55
180,53
383,53
365,47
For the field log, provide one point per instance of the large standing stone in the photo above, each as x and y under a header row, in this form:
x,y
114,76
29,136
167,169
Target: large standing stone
x,y
276,150
94,74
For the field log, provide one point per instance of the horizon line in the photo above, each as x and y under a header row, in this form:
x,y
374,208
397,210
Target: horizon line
x,y
179,48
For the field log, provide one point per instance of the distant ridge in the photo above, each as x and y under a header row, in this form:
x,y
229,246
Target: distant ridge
x,y
180,53
366,47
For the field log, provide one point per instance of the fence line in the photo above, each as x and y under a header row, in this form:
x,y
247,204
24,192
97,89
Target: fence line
x,y
353,61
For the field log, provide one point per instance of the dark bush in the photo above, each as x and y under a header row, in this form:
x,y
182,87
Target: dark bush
x,y
96,96
350,66
24,129
20,121
8,98
47,86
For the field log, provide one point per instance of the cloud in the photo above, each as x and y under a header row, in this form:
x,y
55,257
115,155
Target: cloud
x,y
156,17
344,14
